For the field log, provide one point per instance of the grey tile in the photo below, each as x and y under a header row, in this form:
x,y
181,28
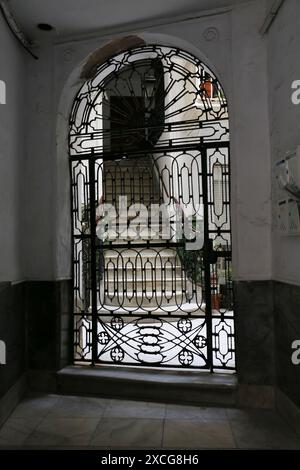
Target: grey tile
x,y
251,413
57,432
195,413
135,409
35,405
128,433
192,434
16,430
79,407
259,429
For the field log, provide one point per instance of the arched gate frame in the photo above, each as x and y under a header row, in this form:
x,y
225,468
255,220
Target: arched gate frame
x,y
152,127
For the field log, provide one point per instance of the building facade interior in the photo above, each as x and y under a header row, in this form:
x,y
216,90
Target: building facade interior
x,y
150,224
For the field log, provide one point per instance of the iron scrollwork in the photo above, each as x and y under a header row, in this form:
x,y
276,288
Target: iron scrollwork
x,y
151,128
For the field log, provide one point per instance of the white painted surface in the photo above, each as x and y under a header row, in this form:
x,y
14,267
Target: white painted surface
x,y
12,156
73,17
41,119
283,68
248,108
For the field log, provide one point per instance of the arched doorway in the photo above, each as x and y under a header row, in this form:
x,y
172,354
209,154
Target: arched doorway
x,y
149,156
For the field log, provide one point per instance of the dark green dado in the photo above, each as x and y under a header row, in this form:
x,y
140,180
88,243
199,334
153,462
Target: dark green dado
x,y
287,330
36,325
49,308
13,333
255,341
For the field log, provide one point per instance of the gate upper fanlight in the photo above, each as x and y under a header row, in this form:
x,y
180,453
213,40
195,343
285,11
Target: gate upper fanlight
x,y
148,97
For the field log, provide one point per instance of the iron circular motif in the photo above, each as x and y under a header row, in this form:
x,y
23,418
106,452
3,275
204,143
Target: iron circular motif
x,y
185,357
117,354
184,325
117,323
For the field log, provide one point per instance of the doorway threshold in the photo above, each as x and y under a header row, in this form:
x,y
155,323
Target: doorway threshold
x,y
170,386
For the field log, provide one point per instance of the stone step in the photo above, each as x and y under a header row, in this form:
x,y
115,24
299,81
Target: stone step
x,y
139,272
126,171
133,264
123,233
139,242
145,226
159,385
130,181
132,198
142,253
134,187
143,277
190,308
142,191
147,299
133,180
139,286
136,163
149,294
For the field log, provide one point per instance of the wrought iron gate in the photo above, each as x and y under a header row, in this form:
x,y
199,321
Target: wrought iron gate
x,y
149,152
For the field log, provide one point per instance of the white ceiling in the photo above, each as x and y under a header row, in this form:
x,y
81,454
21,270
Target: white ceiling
x,y
76,17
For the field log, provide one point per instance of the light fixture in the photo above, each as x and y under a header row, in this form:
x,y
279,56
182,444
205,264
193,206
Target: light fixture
x,y
45,27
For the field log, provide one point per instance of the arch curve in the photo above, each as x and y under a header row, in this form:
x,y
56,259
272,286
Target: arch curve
x,y
185,88
149,114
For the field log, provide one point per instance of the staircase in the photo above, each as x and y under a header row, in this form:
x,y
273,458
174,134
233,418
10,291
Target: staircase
x,y
139,276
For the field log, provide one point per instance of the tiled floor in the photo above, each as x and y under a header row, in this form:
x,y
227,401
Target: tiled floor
x,y
52,421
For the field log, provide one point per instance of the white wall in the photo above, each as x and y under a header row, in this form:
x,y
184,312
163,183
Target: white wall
x,y
41,142
231,46
251,202
283,68
12,156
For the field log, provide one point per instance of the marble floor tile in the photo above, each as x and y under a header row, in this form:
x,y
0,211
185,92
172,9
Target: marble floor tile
x,y
77,422
79,407
265,431
195,412
16,430
128,433
35,405
192,434
135,409
57,432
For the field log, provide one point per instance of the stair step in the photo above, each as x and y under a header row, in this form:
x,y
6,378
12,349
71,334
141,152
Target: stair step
x,y
180,386
148,294
186,307
143,253
136,163
119,277
139,286
139,242
147,299
139,272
